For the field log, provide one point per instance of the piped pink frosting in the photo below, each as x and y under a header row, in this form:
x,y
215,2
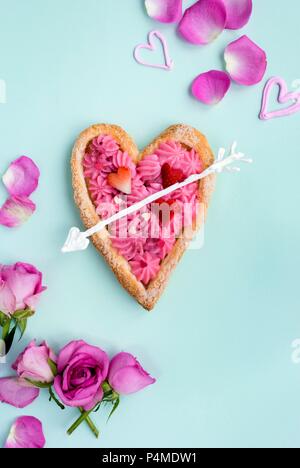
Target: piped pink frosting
x,y
105,144
142,238
145,267
149,168
121,159
172,153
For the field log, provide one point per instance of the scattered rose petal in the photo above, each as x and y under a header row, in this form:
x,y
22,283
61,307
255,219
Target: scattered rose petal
x,y
22,177
26,433
246,62
211,87
238,13
17,392
165,11
203,22
16,211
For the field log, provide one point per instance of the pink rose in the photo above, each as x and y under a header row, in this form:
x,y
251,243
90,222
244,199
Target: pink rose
x,y
33,363
82,369
20,287
126,375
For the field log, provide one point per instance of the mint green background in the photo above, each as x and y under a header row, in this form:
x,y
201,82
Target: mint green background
x,y
219,342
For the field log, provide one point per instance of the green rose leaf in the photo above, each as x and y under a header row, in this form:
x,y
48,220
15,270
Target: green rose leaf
x,y
23,314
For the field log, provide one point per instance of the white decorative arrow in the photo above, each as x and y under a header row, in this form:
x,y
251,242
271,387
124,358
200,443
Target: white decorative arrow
x,y
78,240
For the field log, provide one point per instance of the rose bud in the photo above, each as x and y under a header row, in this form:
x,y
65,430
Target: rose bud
x,y
20,287
33,363
127,376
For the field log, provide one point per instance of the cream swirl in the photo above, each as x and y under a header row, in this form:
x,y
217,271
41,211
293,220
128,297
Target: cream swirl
x,y
129,248
191,163
99,188
160,247
121,159
171,152
145,267
105,144
95,164
138,191
149,168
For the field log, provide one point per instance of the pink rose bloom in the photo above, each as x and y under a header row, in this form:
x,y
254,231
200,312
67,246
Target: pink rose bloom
x,y
126,375
20,287
82,369
33,363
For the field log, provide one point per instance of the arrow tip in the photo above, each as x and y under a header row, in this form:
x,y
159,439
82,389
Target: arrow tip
x,y
75,242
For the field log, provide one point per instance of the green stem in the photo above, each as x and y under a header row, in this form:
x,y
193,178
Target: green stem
x,y
91,425
84,417
53,397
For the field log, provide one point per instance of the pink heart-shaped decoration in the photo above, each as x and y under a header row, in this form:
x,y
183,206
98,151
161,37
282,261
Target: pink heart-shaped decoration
x,y
284,97
168,65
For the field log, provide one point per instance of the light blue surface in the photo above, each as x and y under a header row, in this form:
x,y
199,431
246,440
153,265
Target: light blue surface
x,y
219,341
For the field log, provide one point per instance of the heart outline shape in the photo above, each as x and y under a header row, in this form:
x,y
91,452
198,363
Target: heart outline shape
x,y
188,136
169,63
284,96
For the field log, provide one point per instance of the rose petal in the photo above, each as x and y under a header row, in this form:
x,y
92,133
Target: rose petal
x,y
7,299
17,392
203,22
22,177
16,211
127,376
97,398
211,87
26,433
120,361
131,380
165,11
81,397
246,62
81,346
238,13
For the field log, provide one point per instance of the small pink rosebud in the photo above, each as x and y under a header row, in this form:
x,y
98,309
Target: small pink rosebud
x,y
127,376
33,363
20,287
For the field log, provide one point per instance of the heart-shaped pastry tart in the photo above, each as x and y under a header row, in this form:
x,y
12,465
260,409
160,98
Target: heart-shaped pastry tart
x,y
110,174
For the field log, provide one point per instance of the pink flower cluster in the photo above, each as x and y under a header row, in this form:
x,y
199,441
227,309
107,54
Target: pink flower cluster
x,y
143,239
21,180
201,24
81,376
